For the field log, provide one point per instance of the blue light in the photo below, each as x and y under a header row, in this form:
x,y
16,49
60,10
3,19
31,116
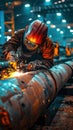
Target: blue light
x,y
71,30
38,15
63,20
30,19
61,32
68,27
58,29
58,14
27,5
0,35
50,36
0,27
47,0
48,22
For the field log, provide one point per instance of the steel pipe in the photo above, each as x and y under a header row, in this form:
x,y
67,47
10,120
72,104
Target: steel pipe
x,y
24,98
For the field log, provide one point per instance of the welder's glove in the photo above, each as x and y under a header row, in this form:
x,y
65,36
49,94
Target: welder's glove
x,y
11,56
26,67
31,66
35,65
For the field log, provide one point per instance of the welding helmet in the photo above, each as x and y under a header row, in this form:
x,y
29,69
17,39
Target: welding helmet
x,y
35,35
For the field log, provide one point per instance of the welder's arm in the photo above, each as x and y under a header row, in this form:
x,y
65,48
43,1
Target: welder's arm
x,y
37,65
10,47
48,63
11,56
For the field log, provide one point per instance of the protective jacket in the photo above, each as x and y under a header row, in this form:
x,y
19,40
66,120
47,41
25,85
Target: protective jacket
x,y
44,52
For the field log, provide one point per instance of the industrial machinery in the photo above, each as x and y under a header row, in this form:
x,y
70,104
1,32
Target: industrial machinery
x,y
24,97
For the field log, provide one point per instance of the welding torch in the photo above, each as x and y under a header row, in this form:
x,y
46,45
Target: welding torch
x,y
6,64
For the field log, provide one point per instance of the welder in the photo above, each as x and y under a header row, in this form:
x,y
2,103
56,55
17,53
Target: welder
x,y
31,46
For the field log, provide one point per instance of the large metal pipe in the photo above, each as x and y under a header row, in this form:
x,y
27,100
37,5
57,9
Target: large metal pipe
x,y
24,98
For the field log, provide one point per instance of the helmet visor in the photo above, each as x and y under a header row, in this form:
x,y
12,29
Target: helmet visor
x,y
30,45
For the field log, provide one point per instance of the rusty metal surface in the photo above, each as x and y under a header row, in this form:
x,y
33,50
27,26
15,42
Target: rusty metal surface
x,y
24,98
59,115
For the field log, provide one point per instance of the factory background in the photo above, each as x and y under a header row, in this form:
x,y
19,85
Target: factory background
x,y
58,16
